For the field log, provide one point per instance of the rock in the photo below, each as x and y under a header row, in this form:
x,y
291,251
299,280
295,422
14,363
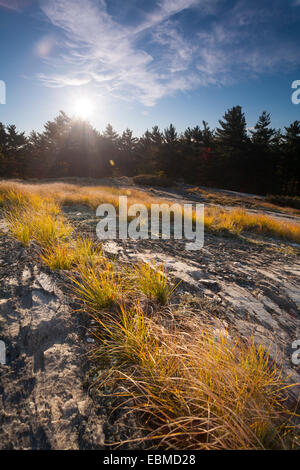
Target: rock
x,y
43,402
45,282
6,306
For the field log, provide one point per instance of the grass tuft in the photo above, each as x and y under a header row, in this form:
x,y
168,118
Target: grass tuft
x,y
31,217
153,281
59,256
195,390
74,253
28,224
99,287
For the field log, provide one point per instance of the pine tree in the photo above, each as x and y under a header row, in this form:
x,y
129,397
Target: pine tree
x,y
110,134
207,135
291,159
127,141
263,134
156,136
233,132
232,150
170,135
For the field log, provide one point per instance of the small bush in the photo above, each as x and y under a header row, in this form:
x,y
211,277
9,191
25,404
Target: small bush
x,y
284,201
152,180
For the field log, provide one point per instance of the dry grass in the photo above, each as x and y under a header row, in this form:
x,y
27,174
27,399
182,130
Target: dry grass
x,y
153,281
13,196
59,256
67,255
238,220
216,219
28,224
71,194
32,217
269,203
195,390
99,287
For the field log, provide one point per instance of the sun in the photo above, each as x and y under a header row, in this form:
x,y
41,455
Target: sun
x,y
83,107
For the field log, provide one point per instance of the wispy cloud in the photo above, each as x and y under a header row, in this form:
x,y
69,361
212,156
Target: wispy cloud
x,y
160,56
107,53
246,42
165,9
17,5
10,4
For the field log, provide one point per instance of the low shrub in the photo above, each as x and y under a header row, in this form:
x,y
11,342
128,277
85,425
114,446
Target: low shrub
x,y
152,180
284,201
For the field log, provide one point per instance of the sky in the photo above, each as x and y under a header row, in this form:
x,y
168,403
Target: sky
x,y
138,63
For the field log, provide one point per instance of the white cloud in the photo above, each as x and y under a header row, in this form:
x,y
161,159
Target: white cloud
x,y
106,51
244,44
97,49
165,9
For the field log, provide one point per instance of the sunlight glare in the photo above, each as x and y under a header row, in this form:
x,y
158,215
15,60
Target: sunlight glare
x,y
83,108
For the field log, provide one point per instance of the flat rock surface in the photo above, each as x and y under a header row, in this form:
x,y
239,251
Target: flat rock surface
x,y
43,404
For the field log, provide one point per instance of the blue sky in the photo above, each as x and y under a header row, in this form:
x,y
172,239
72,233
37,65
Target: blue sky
x,y
145,62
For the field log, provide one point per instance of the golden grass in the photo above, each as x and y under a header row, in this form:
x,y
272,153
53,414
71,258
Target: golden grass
x,y
195,390
71,194
153,281
15,200
27,224
87,252
32,217
216,219
59,256
238,220
244,201
66,255
99,287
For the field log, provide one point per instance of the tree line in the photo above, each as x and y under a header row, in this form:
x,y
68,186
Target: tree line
x,y
262,160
